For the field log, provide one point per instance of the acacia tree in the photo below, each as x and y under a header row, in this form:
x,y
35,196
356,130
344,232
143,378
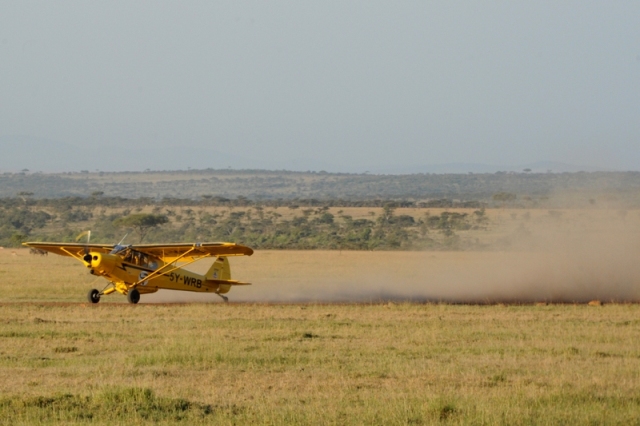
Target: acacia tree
x,y
25,196
141,223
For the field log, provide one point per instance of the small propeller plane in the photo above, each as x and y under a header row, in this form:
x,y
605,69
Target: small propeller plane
x,y
138,269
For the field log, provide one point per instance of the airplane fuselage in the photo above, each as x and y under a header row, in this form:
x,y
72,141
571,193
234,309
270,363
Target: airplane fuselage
x,y
125,274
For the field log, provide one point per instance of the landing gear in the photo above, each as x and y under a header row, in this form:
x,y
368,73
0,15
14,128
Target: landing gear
x,y
133,296
93,296
225,298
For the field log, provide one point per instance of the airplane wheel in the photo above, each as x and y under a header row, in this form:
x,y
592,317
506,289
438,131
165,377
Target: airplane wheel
x,y
133,296
93,296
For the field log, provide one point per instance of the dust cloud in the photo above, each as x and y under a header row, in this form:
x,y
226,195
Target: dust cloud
x,y
566,256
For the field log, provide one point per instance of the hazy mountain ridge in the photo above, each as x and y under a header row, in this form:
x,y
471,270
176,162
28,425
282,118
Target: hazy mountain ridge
x,y
603,187
49,156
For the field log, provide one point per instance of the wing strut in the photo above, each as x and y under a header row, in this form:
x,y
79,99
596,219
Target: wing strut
x,y
64,249
161,270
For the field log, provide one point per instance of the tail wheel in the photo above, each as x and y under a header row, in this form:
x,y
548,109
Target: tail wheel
x,y
93,296
133,296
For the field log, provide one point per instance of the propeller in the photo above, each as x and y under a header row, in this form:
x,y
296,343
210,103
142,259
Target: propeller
x,y
87,256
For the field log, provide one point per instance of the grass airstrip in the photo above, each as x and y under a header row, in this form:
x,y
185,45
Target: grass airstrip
x,y
377,362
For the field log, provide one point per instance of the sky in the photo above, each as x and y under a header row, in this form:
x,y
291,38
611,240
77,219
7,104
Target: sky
x,y
339,85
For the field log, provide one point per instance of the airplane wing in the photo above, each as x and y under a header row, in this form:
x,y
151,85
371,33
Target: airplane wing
x,y
70,249
170,252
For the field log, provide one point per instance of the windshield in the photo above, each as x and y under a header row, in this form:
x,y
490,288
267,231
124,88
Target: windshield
x,y
117,249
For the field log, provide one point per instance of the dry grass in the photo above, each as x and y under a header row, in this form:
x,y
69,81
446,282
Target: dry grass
x,y
274,364
314,363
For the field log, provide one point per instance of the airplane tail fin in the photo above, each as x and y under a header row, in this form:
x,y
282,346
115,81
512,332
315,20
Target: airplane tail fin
x,y
220,270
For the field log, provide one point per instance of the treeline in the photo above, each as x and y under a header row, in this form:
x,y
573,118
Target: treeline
x,y
259,226
97,199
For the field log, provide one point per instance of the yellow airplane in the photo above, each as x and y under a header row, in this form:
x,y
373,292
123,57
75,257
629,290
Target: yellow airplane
x,y
133,270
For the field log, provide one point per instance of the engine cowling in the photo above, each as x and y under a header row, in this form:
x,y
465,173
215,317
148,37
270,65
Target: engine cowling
x,y
101,263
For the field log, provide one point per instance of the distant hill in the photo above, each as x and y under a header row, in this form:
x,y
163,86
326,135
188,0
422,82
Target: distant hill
x,y
42,155
537,167
603,188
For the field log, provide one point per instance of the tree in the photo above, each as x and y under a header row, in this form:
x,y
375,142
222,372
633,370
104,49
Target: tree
x,y
387,213
141,223
25,195
504,196
17,239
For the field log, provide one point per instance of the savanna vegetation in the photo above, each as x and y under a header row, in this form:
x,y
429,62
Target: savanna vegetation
x,y
318,363
296,210
294,224
311,226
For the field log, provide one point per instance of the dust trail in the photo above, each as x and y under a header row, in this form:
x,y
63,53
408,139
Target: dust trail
x,y
573,258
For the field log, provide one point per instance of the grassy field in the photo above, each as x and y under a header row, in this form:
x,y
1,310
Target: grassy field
x,y
319,364
62,360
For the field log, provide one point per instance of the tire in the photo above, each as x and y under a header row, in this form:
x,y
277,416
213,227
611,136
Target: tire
x,y
133,296
93,296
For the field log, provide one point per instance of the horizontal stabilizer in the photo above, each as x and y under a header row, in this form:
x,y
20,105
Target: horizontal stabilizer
x,y
225,282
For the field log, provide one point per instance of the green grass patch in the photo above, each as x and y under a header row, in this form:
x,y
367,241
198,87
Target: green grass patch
x,y
128,405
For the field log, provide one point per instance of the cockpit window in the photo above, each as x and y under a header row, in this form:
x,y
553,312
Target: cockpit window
x,y
117,249
135,257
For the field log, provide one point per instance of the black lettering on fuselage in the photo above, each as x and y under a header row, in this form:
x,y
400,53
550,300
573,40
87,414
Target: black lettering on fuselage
x,y
186,280
191,281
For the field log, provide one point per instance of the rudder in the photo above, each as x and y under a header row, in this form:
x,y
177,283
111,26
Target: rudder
x,y
220,270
